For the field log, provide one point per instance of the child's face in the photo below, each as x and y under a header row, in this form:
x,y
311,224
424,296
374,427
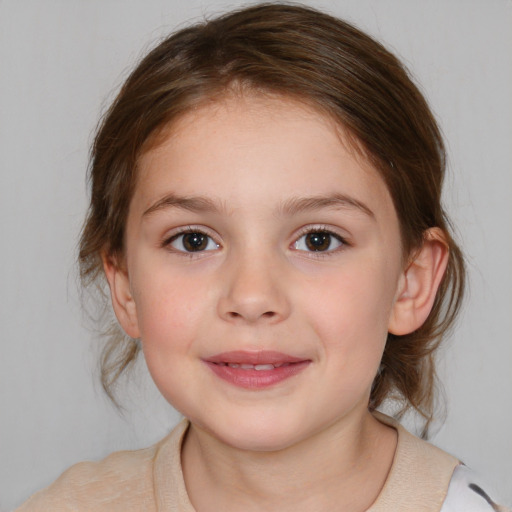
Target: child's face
x,y
256,185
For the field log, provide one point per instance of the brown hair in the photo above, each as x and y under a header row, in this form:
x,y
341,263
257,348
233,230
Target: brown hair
x,y
293,51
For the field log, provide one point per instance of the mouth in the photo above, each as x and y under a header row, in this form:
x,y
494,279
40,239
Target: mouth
x,y
255,370
257,367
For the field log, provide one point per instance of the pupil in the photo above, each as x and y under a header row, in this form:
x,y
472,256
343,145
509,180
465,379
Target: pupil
x,y
318,241
194,241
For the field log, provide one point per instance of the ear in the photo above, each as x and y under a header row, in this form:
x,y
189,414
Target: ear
x,y
120,292
419,284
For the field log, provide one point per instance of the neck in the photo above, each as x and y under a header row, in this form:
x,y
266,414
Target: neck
x,y
343,467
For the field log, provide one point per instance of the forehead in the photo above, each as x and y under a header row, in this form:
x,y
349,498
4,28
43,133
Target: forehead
x,y
237,146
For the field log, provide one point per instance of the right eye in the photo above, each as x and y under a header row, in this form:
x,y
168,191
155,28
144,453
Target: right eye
x,y
193,241
319,241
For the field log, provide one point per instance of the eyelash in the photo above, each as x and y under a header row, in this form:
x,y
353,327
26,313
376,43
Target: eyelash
x,y
167,242
323,230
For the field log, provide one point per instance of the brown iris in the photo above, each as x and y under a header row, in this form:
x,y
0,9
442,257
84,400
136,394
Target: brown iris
x,y
318,241
194,242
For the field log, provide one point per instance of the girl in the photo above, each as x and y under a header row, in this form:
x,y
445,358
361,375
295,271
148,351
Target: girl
x,y
265,207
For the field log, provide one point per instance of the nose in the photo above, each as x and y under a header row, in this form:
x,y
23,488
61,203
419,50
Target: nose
x,y
254,291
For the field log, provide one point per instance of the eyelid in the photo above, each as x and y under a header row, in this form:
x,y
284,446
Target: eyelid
x,y
169,237
320,228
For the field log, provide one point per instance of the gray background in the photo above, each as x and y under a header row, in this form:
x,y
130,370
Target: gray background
x,y
60,63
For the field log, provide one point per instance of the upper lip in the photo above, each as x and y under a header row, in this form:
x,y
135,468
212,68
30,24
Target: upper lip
x,y
256,357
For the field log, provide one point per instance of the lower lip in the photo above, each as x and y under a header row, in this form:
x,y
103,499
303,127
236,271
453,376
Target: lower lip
x,y
257,379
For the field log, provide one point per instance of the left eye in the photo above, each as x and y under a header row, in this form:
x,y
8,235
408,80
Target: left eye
x,y
318,241
193,242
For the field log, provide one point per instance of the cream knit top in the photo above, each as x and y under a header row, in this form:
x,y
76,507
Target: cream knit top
x,y
152,480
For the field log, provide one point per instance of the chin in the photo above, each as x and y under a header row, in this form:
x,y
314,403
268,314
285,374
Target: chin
x,y
262,434
264,440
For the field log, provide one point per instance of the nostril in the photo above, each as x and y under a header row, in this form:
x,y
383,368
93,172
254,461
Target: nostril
x,y
236,315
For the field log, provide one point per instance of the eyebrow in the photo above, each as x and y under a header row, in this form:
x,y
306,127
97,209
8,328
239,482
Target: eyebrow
x,y
193,204
290,207
336,201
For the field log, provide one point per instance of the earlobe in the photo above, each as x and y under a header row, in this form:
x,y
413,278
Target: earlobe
x,y
120,292
419,283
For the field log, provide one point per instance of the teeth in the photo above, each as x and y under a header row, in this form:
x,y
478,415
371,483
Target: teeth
x,y
258,367
264,367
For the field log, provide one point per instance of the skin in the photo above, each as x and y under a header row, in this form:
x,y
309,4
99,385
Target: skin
x,y
259,165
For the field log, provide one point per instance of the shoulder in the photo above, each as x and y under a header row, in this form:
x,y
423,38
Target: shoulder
x,y
419,476
424,478
466,493
123,481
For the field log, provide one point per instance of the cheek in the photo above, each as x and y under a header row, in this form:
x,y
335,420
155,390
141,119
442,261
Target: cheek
x,y
169,310
350,302
171,317
349,312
